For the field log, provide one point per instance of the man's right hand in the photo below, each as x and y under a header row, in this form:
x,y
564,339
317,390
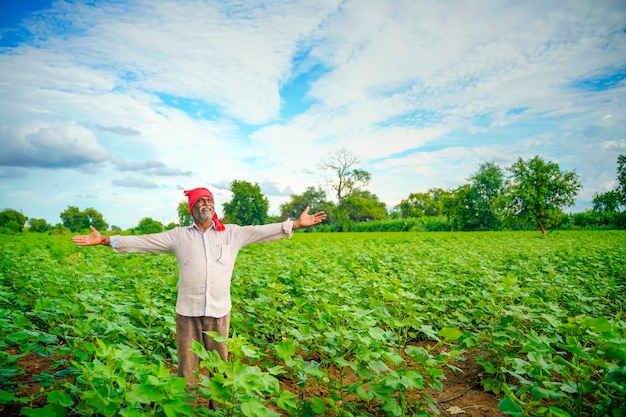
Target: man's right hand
x,y
95,238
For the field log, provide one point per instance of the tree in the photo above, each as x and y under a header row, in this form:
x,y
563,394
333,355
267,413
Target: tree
x,y
539,191
39,225
346,180
94,218
429,203
77,220
488,187
363,206
312,197
460,207
12,221
73,218
148,225
184,216
248,205
607,205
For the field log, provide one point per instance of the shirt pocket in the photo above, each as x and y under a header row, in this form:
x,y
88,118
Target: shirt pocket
x,y
220,253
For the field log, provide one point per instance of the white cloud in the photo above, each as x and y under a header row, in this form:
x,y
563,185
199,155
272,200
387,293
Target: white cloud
x,y
422,92
41,144
614,144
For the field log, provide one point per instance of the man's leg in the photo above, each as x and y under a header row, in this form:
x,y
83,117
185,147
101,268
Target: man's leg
x,y
188,329
220,325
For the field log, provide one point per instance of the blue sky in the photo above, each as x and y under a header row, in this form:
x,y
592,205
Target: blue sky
x,y
121,105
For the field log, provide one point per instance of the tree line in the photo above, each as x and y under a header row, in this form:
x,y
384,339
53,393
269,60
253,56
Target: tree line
x,y
528,194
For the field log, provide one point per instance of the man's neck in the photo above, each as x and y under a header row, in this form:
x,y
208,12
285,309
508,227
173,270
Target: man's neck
x,y
204,226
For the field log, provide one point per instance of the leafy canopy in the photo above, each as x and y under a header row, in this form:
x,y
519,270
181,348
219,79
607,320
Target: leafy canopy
x,y
312,197
148,225
539,190
12,221
184,216
248,206
77,220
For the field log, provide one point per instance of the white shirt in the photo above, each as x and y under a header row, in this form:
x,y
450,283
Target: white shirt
x,y
205,260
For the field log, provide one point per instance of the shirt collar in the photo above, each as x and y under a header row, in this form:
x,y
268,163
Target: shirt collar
x,y
194,225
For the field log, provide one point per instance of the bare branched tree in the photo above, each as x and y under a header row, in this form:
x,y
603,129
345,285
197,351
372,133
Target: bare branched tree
x,y
347,179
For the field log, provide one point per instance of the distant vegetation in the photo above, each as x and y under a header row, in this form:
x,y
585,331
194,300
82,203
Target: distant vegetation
x,y
528,195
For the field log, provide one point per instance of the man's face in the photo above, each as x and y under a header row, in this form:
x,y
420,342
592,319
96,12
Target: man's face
x,y
203,210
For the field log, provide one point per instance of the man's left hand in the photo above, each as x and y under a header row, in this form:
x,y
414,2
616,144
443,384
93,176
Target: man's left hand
x,y
308,220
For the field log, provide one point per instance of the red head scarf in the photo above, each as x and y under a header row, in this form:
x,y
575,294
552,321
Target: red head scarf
x,y
194,195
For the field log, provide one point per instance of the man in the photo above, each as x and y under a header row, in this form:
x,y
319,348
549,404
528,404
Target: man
x,y
206,253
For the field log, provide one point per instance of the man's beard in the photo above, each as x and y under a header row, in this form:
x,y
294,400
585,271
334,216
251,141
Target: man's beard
x,y
202,216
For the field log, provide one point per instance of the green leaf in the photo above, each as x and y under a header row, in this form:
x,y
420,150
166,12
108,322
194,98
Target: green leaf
x,y
177,408
540,393
61,398
47,411
253,408
131,412
250,352
18,337
144,394
8,398
318,405
378,366
558,412
429,331
377,333
344,363
598,325
285,349
365,395
450,333
286,400
314,371
510,407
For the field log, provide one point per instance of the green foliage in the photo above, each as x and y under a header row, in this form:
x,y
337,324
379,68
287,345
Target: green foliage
x,y
607,203
77,220
184,216
488,188
429,203
460,207
416,224
11,221
363,206
585,220
248,206
148,225
39,225
608,206
539,190
239,388
312,197
368,321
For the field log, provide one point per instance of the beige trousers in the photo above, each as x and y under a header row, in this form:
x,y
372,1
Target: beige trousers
x,y
189,329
